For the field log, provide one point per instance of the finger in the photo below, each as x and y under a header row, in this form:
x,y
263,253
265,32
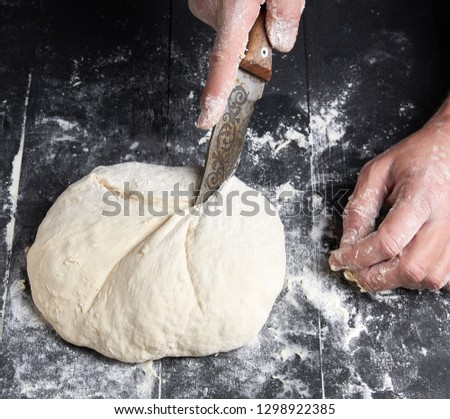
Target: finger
x,y
360,214
363,207
413,267
378,277
364,204
439,277
233,26
282,21
204,11
401,224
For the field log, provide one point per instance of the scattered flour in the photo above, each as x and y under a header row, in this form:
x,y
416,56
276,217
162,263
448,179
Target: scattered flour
x,y
151,377
406,108
134,146
205,138
317,230
298,351
62,123
278,141
285,191
322,295
13,197
328,124
292,134
327,129
292,387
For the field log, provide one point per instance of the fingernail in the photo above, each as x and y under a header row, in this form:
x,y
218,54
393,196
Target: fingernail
x,y
335,261
212,110
333,265
203,121
282,33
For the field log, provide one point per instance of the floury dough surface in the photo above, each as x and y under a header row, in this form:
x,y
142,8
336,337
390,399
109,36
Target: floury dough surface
x,y
143,287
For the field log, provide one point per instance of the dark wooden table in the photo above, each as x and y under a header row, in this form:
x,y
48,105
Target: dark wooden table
x,y
88,83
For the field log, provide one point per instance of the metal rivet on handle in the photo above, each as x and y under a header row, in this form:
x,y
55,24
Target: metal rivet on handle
x,y
264,52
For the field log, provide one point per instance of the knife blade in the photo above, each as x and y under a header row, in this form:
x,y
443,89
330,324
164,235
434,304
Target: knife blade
x,y
228,135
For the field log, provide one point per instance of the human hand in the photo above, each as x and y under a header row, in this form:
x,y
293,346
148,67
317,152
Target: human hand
x,y
411,247
232,20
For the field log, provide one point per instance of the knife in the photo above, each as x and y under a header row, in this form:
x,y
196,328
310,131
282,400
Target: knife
x,y
228,135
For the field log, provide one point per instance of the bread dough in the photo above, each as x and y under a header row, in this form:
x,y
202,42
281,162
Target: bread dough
x,y
144,286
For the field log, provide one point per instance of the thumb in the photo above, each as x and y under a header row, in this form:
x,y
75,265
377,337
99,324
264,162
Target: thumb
x,y
233,25
283,17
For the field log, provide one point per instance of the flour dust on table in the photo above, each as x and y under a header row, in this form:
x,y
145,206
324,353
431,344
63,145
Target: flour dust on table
x,y
124,264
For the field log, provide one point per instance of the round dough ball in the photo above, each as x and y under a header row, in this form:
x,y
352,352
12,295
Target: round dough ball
x,y
135,285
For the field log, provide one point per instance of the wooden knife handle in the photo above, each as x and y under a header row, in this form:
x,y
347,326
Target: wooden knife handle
x,y
258,57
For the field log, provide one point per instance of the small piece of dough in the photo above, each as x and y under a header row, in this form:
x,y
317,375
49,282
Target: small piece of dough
x,y
351,277
143,287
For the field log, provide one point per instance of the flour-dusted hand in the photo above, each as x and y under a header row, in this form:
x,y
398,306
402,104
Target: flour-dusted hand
x,y
411,247
232,20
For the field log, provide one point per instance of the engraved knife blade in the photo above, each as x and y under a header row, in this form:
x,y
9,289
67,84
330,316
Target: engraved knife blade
x,y
227,139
